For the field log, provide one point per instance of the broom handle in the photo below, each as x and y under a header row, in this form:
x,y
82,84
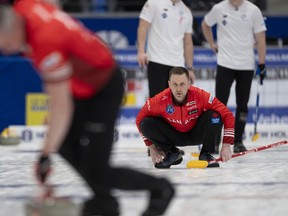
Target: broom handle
x,y
273,145
257,107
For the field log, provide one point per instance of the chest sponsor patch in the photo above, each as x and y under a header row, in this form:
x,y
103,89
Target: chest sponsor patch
x,y
215,120
192,107
191,103
192,112
170,109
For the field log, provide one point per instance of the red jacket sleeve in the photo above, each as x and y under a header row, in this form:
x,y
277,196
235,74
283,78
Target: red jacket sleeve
x,y
150,108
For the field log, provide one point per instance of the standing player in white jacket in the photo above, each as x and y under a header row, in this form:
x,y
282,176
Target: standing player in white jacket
x,y
240,27
166,26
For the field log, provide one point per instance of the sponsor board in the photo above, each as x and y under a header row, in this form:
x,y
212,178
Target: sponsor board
x,y
37,105
205,58
114,26
30,134
268,115
273,92
129,132
266,132
273,132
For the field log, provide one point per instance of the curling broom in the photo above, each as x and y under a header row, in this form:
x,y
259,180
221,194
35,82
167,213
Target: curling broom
x,y
204,164
256,133
49,205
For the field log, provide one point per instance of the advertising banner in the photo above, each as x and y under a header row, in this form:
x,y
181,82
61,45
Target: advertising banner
x,y
275,132
121,31
276,58
37,105
18,71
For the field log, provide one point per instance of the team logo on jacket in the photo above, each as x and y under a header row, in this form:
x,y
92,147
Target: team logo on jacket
x,y
244,17
224,21
170,109
164,15
215,118
192,112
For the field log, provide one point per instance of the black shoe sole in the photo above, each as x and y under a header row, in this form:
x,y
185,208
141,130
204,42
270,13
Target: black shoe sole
x,y
213,165
161,166
179,161
148,152
167,164
208,157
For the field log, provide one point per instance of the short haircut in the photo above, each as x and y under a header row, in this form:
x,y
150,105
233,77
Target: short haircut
x,y
178,71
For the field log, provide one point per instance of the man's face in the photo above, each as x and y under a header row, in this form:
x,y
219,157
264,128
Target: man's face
x,y
179,85
236,3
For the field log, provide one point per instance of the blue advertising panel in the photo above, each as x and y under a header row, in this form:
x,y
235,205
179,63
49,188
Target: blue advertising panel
x,y
116,28
204,57
17,78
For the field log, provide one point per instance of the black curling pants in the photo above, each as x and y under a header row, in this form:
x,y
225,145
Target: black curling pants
x,y
163,135
158,76
89,141
224,79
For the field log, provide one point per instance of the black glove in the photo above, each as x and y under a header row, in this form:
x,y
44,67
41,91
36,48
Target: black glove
x,y
43,168
261,71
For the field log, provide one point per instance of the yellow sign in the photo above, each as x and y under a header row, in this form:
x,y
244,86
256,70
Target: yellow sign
x,y
129,100
37,106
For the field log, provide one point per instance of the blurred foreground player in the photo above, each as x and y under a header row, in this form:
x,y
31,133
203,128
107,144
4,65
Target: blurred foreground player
x,y
86,88
184,115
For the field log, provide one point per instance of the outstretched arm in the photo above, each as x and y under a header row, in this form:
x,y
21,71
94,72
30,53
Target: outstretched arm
x,y
60,114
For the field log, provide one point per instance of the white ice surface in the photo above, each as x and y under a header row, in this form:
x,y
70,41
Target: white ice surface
x,y
252,185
